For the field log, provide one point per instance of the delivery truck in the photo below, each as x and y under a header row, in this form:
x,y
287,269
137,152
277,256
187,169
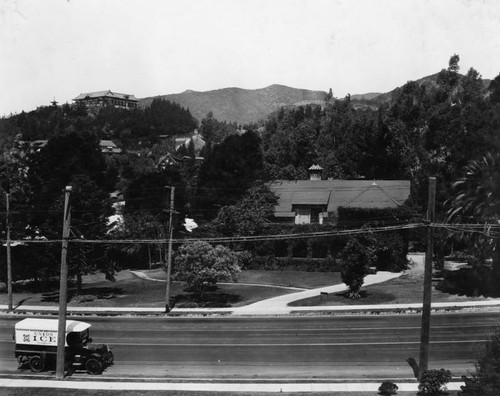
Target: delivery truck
x,y
36,346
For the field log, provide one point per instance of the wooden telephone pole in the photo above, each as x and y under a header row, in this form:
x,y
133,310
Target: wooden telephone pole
x,y
426,306
63,288
169,254
7,244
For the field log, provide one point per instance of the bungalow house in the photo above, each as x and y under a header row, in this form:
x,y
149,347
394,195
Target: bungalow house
x,y
317,201
107,98
169,159
109,147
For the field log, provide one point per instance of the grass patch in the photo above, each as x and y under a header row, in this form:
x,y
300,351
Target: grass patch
x,y
302,279
406,289
131,291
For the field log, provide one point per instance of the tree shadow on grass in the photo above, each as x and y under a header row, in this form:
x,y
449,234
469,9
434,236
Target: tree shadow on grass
x,y
87,294
366,298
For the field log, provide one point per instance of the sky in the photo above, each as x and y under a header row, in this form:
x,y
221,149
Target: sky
x,y
57,49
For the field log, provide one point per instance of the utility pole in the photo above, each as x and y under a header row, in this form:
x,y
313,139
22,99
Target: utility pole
x,y
63,288
426,306
7,244
169,254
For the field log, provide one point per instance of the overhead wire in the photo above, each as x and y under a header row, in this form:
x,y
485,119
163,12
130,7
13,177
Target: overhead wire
x,y
493,232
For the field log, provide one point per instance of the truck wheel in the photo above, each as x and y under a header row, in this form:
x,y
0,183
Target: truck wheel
x,y
93,366
36,363
22,360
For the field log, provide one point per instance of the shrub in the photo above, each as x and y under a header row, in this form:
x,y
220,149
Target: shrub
x,y
471,282
486,380
388,388
355,261
432,381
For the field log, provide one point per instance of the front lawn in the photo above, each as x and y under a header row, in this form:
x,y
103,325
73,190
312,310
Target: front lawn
x,y
130,290
300,279
406,289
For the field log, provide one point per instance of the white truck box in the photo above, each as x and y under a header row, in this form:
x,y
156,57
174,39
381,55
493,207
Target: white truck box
x,y
44,331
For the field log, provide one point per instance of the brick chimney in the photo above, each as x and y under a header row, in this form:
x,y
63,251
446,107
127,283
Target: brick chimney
x,y
315,172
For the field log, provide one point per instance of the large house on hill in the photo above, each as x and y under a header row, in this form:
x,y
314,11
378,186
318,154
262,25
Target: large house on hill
x,y
317,201
107,98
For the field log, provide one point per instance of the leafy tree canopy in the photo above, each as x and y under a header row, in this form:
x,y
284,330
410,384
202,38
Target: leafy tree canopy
x,y
249,215
200,264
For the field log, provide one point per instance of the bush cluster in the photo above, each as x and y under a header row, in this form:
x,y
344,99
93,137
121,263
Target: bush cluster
x,y
322,254
388,388
485,381
474,282
432,381
357,217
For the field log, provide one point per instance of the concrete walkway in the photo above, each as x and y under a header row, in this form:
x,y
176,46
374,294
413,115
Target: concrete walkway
x,y
279,305
289,387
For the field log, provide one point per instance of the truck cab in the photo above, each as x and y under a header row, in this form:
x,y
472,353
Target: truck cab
x,y
36,346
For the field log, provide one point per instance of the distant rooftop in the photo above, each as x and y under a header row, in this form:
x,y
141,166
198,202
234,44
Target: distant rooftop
x,y
106,94
336,193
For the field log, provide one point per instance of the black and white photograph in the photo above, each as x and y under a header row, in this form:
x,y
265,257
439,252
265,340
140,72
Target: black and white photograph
x,y
249,197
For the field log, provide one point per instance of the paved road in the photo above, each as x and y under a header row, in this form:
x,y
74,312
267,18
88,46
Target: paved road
x,y
277,348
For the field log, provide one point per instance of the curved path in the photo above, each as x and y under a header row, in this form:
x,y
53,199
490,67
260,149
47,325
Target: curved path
x,y
142,275
280,304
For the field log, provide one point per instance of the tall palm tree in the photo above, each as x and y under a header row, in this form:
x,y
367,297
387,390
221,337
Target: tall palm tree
x,y
477,199
477,194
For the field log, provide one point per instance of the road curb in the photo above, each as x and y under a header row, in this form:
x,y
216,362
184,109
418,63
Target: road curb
x,y
292,311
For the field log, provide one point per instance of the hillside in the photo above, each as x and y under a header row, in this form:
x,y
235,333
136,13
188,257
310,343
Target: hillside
x,y
239,105
245,106
372,100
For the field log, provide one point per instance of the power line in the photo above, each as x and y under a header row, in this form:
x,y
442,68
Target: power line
x,y
250,238
493,232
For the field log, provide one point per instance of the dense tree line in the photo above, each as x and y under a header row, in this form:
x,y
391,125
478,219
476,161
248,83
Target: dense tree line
x,y
427,129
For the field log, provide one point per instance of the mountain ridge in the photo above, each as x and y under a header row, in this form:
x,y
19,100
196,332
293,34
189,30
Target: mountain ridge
x,y
244,106
239,105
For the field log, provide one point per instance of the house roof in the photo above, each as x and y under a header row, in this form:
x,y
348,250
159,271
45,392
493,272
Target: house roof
x,y
311,198
107,94
170,159
336,193
108,146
